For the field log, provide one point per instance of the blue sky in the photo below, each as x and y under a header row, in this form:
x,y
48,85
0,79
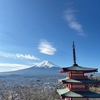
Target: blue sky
x,y
35,30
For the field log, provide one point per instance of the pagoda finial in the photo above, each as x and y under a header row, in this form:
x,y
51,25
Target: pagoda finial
x,y
74,55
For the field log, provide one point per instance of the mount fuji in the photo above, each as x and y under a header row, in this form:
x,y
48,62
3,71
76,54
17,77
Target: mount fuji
x,y
46,64
45,68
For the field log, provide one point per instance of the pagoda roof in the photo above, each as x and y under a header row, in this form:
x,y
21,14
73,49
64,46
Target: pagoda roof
x,y
78,68
70,80
77,94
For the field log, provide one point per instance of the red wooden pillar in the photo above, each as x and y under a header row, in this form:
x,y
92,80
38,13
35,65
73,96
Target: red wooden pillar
x,y
68,99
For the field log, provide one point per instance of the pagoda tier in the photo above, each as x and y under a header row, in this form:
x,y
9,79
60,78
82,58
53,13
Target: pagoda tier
x,y
77,83
77,88
78,68
86,80
66,93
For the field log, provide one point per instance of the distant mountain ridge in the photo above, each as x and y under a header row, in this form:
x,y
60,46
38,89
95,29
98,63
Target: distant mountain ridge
x,y
44,68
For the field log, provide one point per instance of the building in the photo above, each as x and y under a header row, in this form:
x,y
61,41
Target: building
x,y
77,83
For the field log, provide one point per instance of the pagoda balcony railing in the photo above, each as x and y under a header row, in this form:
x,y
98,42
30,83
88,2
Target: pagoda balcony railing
x,y
78,77
78,89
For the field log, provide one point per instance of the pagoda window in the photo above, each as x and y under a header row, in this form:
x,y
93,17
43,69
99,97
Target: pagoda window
x,y
68,99
77,72
78,86
77,75
79,98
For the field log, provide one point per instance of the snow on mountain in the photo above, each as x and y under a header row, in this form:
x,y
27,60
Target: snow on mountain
x,y
46,64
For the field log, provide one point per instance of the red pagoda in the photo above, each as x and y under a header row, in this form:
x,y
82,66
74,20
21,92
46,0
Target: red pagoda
x,y
77,83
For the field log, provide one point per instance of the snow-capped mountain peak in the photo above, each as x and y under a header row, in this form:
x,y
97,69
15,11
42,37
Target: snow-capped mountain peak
x,y
45,68
46,64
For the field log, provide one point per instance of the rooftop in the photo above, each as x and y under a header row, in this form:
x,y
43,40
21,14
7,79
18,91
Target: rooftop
x,y
79,68
72,94
76,67
68,80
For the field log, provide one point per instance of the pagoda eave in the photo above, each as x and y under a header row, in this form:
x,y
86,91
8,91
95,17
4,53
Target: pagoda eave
x,y
80,82
70,80
84,71
77,94
63,97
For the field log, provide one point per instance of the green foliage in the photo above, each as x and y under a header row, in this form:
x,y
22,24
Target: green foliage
x,y
91,76
97,78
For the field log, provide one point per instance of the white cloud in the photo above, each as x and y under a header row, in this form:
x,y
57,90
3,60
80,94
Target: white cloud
x,y
46,48
31,57
18,56
72,22
13,67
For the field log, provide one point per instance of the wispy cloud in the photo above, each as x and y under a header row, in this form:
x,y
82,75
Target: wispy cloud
x,y
31,57
13,67
46,48
18,56
72,21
